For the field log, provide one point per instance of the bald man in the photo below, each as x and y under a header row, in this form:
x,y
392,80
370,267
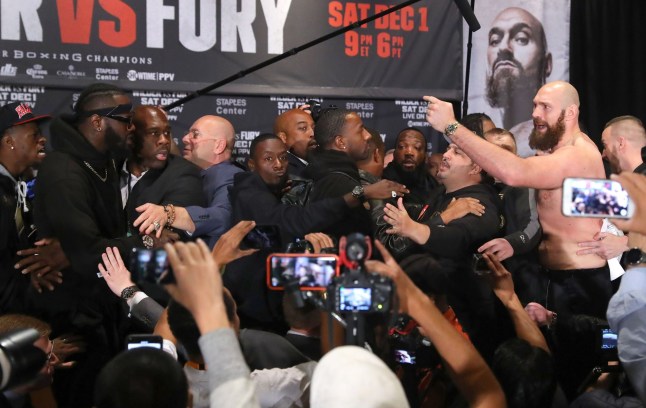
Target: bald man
x,y
153,175
208,144
577,283
296,129
518,64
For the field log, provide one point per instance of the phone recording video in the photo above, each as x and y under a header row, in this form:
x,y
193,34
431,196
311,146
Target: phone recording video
x,y
595,198
262,237
311,271
607,343
354,299
404,356
134,341
150,265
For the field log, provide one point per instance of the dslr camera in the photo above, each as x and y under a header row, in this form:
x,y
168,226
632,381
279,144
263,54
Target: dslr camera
x,y
356,290
20,360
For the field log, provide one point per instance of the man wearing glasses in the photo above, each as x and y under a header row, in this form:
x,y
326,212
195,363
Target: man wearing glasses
x,y
208,144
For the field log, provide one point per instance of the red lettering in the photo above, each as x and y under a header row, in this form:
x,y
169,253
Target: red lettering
x,y
423,19
336,18
364,8
383,45
127,32
407,19
75,24
394,21
381,23
350,14
351,44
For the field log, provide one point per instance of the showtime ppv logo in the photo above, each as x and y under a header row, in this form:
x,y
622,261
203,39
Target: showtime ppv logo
x,y
150,76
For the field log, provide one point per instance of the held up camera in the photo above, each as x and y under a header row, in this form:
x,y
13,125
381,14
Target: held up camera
x,y
20,360
359,291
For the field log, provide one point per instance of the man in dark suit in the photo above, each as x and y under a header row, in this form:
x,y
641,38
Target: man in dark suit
x,y
208,144
296,129
153,175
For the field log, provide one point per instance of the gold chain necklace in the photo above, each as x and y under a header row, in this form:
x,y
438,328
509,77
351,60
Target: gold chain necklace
x,y
104,178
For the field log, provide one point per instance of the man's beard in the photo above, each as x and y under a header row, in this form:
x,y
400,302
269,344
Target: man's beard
x,y
116,144
504,86
550,138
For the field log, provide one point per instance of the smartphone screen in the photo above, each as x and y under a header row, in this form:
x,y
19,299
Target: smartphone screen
x,y
404,356
262,237
150,265
595,198
134,341
313,271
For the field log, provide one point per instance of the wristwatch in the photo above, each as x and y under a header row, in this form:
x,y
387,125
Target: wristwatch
x,y
451,128
635,256
129,292
358,193
148,241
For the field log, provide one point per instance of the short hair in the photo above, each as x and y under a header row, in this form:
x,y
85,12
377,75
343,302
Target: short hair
x,y
141,378
413,129
623,118
94,92
9,322
473,122
259,139
184,328
426,273
305,318
376,141
329,125
526,374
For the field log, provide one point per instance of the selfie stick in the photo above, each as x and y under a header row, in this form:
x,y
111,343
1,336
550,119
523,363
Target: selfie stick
x,y
289,53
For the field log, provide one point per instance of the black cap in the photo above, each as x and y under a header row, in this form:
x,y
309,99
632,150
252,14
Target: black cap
x,y
16,113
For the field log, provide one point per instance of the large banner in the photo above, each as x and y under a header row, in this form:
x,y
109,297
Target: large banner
x,y
522,45
183,45
250,115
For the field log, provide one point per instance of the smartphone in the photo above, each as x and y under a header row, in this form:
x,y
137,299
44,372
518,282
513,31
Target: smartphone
x,y
404,356
134,341
601,198
480,266
262,237
607,343
150,265
313,271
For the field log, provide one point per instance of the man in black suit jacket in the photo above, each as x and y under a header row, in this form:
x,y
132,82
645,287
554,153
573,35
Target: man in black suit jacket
x,y
296,129
152,174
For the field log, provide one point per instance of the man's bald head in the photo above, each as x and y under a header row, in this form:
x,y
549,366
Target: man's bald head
x,y
517,56
142,113
296,129
209,141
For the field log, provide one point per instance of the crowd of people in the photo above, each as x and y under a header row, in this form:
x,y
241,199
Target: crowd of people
x,y
525,333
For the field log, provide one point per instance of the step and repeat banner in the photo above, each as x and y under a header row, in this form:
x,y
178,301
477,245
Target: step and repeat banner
x,y
163,49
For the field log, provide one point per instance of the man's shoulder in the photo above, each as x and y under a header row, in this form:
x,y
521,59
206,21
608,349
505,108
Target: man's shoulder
x,y
180,164
221,173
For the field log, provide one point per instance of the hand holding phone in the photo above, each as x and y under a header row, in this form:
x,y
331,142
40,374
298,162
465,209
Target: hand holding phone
x,y
134,341
262,237
313,271
599,198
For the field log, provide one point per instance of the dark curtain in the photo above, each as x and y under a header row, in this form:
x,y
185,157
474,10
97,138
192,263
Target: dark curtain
x,y
608,60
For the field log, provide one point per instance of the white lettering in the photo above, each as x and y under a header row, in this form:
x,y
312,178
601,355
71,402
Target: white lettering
x,y
275,17
188,26
12,12
156,13
236,23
